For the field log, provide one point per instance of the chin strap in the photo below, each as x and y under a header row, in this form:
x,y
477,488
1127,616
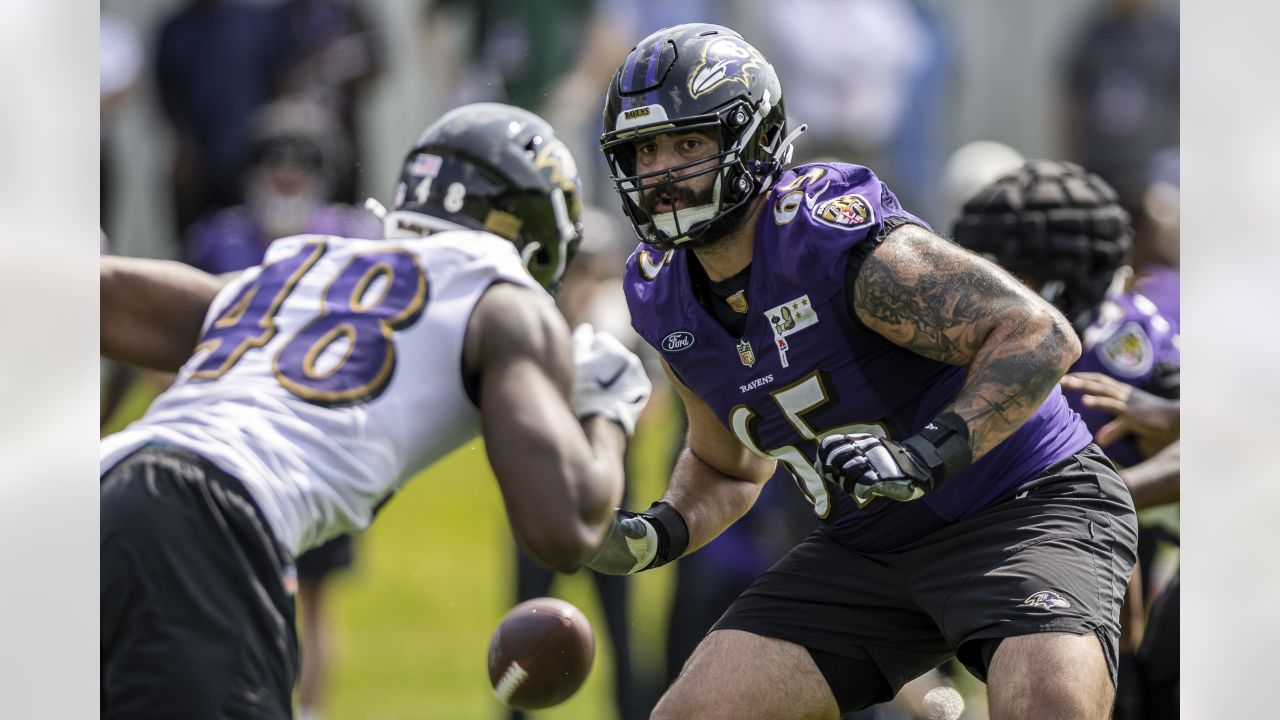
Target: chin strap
x,y
783,153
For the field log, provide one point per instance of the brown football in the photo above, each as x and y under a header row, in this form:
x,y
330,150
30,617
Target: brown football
x,y
540,654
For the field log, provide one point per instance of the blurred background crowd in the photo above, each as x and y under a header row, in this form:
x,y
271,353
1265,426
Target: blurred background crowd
x,y
228,123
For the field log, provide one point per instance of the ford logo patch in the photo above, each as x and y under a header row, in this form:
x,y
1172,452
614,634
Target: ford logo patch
x,y
677,341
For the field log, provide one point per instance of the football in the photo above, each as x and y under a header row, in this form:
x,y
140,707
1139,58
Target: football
x,y
540,654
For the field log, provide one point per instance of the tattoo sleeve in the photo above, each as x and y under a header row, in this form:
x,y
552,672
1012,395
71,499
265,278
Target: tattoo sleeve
x,y
938,300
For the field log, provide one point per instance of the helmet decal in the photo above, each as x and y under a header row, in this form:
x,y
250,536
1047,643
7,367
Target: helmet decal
x,y
725,60
554,159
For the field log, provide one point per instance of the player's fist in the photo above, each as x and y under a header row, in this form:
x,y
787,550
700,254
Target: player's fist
x,y
867,466
630,545
608,378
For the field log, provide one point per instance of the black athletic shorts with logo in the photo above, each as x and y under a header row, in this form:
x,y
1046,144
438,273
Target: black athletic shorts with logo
x,y
1055,556
197,621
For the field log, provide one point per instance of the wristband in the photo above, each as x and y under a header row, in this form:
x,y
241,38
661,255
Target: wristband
x,y
673,533
943,445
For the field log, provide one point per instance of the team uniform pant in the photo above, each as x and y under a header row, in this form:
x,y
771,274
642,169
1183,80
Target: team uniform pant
x,y
196,603
1055,556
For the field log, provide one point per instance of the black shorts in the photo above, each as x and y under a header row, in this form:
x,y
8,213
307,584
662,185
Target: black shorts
x,y
1053,557
197,618
335,554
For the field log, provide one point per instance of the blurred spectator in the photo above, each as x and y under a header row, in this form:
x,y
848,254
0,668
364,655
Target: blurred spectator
x,y
504,50
119,63
870,79
573,104
296,151
1153,201
217,62
335,55
1122,78
971,168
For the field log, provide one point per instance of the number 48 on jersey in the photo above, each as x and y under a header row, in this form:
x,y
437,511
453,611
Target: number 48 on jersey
x,y
345,354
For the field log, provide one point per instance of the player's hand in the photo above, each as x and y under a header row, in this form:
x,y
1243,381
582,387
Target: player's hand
x,y
629,546
867,466
608,378
1155,421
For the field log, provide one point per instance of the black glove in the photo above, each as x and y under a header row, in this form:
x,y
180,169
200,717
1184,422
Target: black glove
x,y
867,466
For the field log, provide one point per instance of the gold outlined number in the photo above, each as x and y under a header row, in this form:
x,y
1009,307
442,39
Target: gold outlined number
x,y
352,312
366,326
250,320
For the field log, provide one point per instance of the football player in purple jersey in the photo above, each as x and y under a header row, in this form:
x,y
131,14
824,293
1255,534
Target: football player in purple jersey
x,y
1062,231
910,387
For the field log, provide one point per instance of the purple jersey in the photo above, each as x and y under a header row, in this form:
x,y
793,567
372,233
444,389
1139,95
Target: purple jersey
x,y
1132,341
806,367
1161,286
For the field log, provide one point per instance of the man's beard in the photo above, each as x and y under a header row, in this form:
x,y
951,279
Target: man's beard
x,y
681,197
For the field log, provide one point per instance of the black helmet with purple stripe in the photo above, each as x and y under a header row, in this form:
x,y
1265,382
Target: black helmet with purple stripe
x,y
695,77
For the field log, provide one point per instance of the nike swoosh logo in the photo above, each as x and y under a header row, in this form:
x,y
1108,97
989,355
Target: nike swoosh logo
x,y
606,384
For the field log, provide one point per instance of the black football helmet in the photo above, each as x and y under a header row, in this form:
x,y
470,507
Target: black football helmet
x,y
695,77
1057,227
497,168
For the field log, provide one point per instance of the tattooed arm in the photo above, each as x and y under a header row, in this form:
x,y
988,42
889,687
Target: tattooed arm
x,y
941,301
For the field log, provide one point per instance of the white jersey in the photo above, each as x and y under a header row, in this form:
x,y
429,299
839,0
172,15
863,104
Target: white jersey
x,y
330,374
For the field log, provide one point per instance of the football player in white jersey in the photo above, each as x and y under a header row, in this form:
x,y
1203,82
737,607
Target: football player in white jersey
x,y
312,386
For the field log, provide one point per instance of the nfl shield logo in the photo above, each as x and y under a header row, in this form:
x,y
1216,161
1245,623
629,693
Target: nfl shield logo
x,y
746,354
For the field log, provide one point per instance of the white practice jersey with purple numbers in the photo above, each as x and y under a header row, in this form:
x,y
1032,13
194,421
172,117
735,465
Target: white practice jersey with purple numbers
x,y
330,374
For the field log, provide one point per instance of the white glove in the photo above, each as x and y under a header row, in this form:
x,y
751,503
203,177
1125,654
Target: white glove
x,y
608,378
629,547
